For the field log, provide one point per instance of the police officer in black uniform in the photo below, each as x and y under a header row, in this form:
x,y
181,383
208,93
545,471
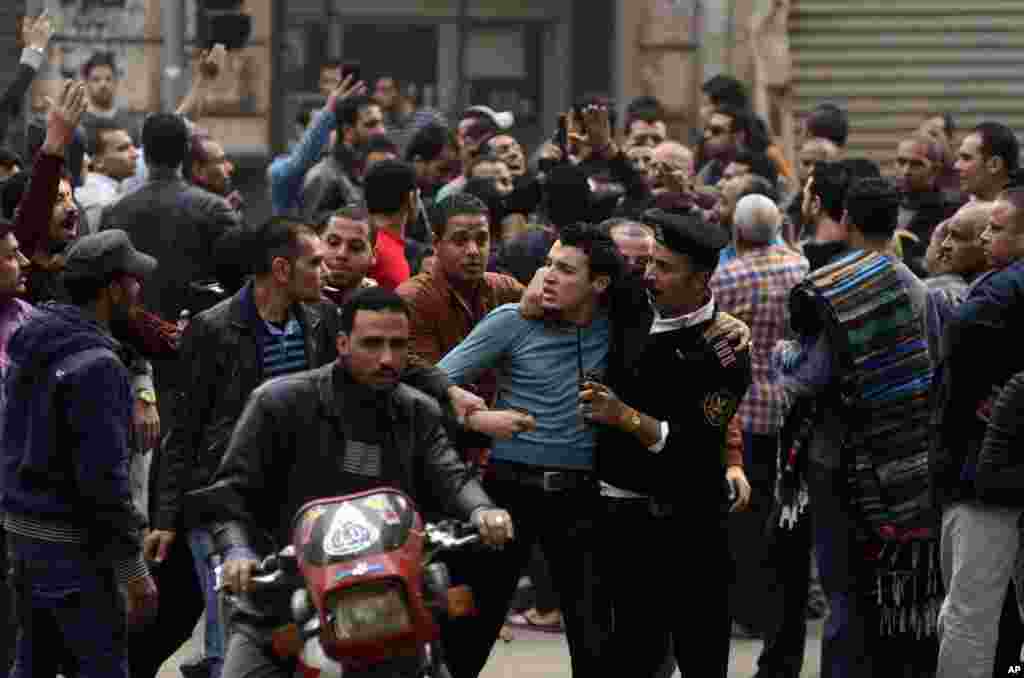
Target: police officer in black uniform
x,y
664,411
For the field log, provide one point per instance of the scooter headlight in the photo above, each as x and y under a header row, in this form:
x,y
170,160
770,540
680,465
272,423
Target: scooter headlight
x,y
371,611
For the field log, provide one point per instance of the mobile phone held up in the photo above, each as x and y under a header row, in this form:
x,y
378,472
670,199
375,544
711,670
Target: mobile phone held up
x,y
353,68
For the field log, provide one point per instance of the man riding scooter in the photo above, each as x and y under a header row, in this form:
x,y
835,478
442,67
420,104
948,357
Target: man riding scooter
x,y
341,429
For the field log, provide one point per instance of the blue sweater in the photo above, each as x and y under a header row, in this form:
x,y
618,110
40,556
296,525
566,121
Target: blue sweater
x,y
286,172
538,372
65,443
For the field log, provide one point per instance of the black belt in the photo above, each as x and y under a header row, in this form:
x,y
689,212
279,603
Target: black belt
x,y
549,481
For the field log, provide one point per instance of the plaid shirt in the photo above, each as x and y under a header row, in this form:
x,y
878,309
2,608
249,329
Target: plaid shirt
x,y
755,288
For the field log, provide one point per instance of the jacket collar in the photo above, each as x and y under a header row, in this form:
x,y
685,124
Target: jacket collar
x,y
333,382
444,287
243,315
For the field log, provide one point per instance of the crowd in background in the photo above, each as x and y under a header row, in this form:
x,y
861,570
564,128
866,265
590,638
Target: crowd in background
x,y
918,265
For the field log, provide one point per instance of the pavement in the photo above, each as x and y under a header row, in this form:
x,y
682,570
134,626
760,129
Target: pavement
x,y
537,654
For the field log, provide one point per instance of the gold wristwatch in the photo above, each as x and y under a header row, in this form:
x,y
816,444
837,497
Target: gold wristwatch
x,y
631,420
146,395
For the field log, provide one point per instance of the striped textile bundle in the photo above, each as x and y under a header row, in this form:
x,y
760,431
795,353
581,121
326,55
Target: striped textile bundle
x,y
885,380
885,376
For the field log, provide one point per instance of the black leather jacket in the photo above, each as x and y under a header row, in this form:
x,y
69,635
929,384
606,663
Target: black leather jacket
x,y
220,358
286,451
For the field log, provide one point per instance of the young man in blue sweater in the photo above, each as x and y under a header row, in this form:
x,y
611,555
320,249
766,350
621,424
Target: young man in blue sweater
x,y
546,475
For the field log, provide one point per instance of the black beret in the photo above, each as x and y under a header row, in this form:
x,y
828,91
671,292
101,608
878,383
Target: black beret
x,y
688,234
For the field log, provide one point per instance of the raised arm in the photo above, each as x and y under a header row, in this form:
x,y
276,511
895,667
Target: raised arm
x,y
286,173
32,220
36,34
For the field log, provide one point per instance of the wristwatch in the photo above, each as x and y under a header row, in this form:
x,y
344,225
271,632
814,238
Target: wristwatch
x,y
631,420
146,395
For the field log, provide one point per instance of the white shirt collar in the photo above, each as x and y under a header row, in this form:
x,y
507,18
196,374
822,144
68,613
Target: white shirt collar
x,y
701,315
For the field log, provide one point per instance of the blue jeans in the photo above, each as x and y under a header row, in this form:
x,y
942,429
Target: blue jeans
x,y
65,599
201,543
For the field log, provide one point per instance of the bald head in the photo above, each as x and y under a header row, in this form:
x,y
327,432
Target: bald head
x,y
956,245
756,220
670,158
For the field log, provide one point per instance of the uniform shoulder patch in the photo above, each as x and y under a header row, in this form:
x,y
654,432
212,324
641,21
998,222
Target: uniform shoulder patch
x,y
724,350
719,407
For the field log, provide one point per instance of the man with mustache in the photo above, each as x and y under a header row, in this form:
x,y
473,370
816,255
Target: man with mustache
x,y
922,206
350,426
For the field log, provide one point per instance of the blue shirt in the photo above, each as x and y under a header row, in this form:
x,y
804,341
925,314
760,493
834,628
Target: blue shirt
x,y
287,172
538,372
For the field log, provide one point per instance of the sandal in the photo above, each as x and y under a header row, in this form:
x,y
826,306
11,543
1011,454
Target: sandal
x,y
524,621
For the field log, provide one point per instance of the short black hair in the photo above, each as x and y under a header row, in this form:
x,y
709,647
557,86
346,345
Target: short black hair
x,y
726,90
11,193
602,254
99,59
94,141
828,121
831,180
348,110
861,168
756,184
10,158
165,138
873,207
455,205
429,143
999,141
645,108
381,143
759,163
276,237
370,299
567,196
387,184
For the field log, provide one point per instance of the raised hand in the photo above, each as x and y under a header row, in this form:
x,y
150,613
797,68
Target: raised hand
x,y
346,90
64,116
36,33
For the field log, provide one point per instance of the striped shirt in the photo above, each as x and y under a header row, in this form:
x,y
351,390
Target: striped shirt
x,y
755,288
284,350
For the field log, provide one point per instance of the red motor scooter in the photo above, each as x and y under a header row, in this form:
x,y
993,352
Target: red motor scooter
x,y
366,593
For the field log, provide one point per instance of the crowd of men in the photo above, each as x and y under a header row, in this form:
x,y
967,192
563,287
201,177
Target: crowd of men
x,y
687,372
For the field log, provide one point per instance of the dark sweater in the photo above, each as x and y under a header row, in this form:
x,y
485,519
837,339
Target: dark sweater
x,y
1000,475
65,443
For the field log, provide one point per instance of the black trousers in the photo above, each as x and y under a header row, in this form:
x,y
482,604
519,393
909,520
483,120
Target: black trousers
x,y
565,526
786,639
181,603
653,566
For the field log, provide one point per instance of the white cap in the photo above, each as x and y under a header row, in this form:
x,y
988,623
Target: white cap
x,y
504,120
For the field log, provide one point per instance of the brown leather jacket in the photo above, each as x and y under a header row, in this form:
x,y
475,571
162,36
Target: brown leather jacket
x,y
441,318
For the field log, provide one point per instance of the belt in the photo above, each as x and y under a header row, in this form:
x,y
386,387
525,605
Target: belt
x,y
548,481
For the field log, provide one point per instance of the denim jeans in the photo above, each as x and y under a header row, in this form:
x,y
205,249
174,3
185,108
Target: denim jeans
x,y
201,543
65,599
980,554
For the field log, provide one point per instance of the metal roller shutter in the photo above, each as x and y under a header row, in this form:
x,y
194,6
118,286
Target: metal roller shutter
x,y
889,62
